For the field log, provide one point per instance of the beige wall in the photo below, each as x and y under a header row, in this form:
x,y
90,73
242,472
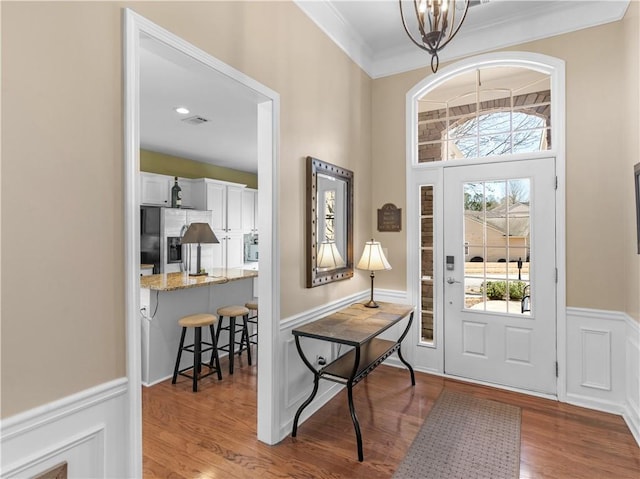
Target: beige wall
x,y
602,270
62,291
631,32
163,164
62,170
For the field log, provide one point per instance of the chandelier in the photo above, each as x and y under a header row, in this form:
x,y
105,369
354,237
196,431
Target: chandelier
x,y
437,24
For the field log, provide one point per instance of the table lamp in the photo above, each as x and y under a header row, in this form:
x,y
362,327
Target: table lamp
x,y
198,233
329,256
373,259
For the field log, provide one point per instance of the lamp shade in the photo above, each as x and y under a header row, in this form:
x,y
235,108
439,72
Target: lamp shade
x,y
373,258
199,233
329,256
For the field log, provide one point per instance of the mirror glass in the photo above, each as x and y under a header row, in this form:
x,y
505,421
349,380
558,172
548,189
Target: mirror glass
x,y
330,223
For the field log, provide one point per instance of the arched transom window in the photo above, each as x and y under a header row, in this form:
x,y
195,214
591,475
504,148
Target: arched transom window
x,y
490,112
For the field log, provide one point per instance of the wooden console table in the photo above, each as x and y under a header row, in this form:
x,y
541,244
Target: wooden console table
x,y
359,327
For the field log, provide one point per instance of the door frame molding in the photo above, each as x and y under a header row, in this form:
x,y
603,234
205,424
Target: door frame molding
x,y
555,68
269,377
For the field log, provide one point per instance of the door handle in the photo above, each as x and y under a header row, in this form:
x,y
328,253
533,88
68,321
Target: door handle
x,y
451,280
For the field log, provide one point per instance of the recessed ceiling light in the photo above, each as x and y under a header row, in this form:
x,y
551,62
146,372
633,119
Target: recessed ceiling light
x,y
182,110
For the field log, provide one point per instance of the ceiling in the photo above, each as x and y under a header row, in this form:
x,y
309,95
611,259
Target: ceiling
x,y
369,31
171,79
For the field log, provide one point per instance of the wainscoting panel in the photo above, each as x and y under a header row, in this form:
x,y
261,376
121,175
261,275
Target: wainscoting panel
x,y
88,430
596,359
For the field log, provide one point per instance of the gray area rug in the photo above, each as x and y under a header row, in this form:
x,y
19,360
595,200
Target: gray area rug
x,y
465,437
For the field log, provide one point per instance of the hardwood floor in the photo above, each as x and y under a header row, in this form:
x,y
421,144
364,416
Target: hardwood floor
x,y
212,433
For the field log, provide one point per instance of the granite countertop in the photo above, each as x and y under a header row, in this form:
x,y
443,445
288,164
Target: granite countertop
x,y
175,281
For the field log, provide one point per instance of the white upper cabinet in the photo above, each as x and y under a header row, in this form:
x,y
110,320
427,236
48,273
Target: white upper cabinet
x,y
224,199
156,189
234,208
215,200
250,211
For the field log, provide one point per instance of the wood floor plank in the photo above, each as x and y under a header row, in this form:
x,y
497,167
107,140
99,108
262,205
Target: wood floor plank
x,y
212,433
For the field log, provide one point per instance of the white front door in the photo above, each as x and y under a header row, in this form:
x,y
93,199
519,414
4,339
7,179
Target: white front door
x,y
499,273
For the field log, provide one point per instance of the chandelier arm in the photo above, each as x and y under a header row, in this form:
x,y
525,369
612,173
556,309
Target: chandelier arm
x,y
419,19
420,45
466,9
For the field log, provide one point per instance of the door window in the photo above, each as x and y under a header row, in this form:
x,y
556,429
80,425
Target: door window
x,y
497,246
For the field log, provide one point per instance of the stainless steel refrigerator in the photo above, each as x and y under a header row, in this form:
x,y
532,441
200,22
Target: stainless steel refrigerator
x,y
161,231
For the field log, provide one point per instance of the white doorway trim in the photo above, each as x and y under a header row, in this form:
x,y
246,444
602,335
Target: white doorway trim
x,y
269,277
555,68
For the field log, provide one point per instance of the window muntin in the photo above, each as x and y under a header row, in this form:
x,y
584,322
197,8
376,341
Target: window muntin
x,y
476,119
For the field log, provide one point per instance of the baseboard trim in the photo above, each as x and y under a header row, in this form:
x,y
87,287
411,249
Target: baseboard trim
x,y
40,416
632,418
595,403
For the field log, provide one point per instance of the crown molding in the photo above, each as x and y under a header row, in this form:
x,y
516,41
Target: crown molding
x,y
338,29
486,32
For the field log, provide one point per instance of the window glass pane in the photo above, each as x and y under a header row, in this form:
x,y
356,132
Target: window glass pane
x,y
426,263
431,130
430,152
526,120
489,112
463,127
494,100
497,246
493,145
497,122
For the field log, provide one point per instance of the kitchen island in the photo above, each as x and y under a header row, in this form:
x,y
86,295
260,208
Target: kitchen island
x,y
165,298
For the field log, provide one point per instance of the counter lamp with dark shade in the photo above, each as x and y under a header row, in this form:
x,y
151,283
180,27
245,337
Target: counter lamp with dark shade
x,y
198,233
373,259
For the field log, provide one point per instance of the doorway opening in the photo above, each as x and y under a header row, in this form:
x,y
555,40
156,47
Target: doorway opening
x,y
139,30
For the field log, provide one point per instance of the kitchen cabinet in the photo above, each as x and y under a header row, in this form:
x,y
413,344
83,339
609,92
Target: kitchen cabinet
x,y
250,211
156,189
229,252
224,199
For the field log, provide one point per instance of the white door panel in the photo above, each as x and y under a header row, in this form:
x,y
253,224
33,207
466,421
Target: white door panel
x,y
499,246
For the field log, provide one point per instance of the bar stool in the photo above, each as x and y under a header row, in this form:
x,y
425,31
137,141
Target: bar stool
x,y
233,312
253,319
197,322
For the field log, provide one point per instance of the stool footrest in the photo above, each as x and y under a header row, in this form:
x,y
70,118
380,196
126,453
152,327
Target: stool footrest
x,y
212,370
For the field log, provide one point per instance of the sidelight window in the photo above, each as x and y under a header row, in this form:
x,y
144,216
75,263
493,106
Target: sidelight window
x,y
426,263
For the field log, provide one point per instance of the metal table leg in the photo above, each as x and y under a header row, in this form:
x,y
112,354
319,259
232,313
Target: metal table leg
x,y
405,362
352,410
316,380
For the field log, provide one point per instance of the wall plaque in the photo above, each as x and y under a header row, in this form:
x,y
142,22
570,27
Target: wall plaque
x,y
389,218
